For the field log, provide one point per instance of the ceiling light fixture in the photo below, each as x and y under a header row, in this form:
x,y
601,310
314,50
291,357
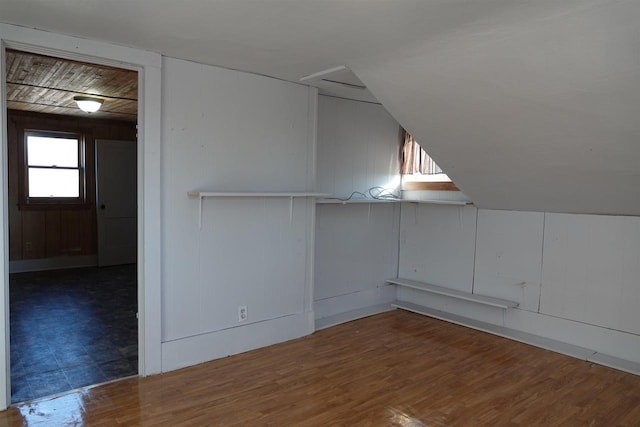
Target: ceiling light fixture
x,y
88,104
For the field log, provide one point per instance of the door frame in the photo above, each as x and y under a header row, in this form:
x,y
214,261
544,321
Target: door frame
x,y
149,68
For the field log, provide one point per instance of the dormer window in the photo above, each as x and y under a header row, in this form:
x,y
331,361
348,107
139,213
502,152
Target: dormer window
x,y
419,171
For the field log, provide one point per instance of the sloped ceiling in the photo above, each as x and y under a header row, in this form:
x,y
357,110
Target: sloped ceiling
x,y
529,109
528,105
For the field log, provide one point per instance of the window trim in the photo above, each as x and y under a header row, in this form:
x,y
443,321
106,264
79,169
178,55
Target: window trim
x,y
26,202
429,186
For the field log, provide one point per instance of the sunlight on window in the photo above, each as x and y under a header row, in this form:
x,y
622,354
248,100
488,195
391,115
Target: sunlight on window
x,y
53,166
53,183
45,151
417,165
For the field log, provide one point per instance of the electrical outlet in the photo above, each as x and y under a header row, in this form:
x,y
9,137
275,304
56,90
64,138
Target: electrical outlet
x,y
28,246
243,314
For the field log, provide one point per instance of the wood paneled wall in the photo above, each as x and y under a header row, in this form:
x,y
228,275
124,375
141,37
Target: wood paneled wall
x,y
45,233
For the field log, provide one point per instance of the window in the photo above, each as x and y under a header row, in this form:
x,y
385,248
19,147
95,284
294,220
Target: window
x,y
420,171
54,168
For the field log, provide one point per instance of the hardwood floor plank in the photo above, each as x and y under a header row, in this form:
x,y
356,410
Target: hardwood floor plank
x,y
392,369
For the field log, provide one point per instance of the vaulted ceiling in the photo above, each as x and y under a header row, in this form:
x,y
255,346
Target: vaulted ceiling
x,y
528,105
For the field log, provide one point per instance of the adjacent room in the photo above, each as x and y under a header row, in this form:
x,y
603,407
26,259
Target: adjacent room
x,y
72,222
346,213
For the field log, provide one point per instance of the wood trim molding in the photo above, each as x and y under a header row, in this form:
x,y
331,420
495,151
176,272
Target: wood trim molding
x,y
429,186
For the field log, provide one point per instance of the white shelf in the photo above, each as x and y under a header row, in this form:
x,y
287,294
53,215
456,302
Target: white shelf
x,y
438,202
354,201
373,201
439,290
202,194
290,195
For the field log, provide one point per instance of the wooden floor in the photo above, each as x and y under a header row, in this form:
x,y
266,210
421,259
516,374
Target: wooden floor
x,y
393,369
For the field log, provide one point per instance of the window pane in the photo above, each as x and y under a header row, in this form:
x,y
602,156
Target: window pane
x,y
54,183
46,151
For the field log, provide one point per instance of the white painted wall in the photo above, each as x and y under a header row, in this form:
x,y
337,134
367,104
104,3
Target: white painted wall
x,y
591,270
356,250
508,256
225,130
358,147
580,272
437,244
356,245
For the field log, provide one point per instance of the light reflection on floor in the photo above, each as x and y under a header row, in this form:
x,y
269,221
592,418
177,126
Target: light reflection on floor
x,y
402,419
66,410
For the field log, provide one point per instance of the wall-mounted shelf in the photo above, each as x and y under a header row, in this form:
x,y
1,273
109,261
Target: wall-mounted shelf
x,y
291,195
353,201
360,201
439,202
369,202
203,194
453,293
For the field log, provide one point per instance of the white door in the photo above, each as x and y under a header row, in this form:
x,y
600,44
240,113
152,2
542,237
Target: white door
x,y
116,200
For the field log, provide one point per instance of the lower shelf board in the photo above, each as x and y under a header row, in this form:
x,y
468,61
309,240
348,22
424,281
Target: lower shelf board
x,y
439,290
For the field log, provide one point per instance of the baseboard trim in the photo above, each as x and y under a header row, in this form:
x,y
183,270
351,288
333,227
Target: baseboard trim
x,y
615,363
54,263
362,299
189,351
336,319
578,352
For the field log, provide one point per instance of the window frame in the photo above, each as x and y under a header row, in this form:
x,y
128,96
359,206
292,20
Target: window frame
x,y
27,202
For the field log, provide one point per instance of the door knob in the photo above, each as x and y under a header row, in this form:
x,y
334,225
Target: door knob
x,y
102,207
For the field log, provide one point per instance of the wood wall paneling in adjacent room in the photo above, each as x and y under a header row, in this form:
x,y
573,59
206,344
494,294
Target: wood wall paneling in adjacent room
x,y
15,216
35,234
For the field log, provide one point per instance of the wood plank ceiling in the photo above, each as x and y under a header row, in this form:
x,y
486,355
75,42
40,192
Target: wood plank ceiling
x,y
45,84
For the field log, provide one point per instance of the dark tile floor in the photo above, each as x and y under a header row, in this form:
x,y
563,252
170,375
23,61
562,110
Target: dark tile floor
x,y
72,328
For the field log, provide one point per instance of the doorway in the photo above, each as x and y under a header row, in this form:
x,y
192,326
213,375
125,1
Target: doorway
x,y
72,324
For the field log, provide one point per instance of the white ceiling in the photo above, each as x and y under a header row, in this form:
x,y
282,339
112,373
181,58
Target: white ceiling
x,y
287,39
530,105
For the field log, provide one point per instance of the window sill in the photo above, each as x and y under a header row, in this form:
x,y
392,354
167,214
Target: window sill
x,y
429,186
